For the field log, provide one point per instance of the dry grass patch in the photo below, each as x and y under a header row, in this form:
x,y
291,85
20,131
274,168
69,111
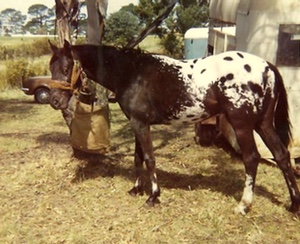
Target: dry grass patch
x,y
48,196
152,44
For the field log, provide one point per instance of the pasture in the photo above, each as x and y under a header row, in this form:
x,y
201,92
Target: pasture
x,y
22,39
49,196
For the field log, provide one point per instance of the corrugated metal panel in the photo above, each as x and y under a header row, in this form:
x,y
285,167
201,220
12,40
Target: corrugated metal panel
x,y
226,10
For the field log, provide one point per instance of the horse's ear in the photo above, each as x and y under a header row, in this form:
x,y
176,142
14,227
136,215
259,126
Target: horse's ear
x,y
53,47
67,45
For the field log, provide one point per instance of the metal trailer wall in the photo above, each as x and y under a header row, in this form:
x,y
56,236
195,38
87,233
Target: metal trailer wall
x,y
195,43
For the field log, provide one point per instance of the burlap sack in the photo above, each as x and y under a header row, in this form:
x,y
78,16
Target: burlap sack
x,y
90,129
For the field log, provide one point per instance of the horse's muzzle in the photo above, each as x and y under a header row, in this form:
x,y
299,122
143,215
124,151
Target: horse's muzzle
x,y
59,99
56,103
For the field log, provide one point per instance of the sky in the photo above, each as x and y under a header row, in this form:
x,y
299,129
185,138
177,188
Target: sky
x,y
23,5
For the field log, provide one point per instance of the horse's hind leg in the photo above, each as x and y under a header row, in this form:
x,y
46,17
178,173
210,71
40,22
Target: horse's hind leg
x,y
282,157
251,159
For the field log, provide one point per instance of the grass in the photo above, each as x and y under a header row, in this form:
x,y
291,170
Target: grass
x,y
18,40
151,44
49,196
38,64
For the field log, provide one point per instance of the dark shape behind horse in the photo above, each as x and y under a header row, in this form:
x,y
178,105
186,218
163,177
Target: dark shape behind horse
x,y
154,89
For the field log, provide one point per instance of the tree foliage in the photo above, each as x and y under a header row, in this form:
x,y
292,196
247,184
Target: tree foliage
x,y
121,27
186,14
129,8
148,10
191,16
14,19
40,20
39,15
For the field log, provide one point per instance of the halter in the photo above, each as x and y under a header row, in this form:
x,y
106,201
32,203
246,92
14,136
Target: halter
x,y
63,85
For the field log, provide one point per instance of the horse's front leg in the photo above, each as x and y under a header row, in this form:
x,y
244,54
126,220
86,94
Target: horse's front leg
x,y
144,144
138,163
155,190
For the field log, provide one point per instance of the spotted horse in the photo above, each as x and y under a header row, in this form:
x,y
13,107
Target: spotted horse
x,y
154,89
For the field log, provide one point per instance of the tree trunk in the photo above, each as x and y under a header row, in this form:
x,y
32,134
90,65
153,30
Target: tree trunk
x,y
89,124
66,11
97,10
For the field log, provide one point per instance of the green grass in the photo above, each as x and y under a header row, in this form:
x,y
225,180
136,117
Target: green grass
x,y
48,196
151,44
14,41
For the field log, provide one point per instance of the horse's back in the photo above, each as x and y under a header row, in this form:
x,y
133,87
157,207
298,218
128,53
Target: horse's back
x,y
190,90
236,66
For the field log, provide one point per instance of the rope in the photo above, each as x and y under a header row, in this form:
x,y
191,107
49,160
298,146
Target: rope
x,y
76,72
60,85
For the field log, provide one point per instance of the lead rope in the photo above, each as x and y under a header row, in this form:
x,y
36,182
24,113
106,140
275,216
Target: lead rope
x,y
85,89
76,72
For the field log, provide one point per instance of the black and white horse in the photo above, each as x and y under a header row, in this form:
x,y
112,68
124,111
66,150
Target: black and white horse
x,y
154,89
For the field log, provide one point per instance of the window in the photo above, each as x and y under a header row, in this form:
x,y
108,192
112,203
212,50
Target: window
x,y
288,51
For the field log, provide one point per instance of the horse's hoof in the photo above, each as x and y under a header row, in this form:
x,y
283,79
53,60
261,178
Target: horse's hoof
x,y
136,191
239,209
151,201
294,208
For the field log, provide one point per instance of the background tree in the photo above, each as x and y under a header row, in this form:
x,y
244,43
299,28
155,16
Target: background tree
x,y
191,15
14,19
148,10
39,15
82,24
187,14
121,27
129,8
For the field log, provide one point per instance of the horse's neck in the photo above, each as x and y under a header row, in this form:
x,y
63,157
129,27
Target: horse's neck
x,y
97,62
85,54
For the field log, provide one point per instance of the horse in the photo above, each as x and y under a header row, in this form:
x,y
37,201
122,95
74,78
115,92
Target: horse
x,y
156,89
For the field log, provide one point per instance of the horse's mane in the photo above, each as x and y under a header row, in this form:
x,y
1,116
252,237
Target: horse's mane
x,y
134,51
139,54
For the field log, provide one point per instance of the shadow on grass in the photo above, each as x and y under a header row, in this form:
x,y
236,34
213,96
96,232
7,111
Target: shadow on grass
x,y
162,137
222,178
226,181
16,106
55,138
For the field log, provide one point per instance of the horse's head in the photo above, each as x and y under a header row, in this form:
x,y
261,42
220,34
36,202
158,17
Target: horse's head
x,y
61,67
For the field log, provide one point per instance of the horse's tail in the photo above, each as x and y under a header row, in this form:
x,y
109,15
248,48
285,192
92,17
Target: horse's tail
x,y
282,121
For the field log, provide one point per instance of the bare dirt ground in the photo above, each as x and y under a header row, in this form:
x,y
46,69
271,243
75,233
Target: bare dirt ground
x,y
49,196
